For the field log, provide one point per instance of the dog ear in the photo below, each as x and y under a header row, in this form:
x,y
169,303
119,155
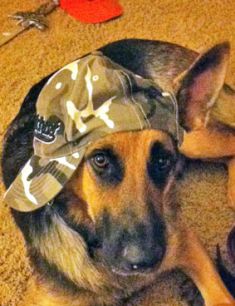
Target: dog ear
x,y
198,88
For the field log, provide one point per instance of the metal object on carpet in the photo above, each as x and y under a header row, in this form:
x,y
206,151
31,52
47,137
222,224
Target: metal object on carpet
x,y
29,20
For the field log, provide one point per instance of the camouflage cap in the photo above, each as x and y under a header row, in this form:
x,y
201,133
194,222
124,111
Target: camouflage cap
x,y
82,102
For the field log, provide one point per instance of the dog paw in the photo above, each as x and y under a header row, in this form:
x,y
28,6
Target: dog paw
x,y
190,293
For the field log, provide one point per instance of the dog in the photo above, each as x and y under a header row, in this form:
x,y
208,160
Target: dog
x,y
115,225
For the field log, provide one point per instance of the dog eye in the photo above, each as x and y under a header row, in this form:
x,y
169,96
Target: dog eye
x,y
163,163
160,164
100,160
107,166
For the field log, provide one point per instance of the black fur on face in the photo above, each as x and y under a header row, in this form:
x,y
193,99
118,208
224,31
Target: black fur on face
x,y
161,163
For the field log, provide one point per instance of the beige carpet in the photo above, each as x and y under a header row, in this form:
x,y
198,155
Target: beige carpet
x,y
192,23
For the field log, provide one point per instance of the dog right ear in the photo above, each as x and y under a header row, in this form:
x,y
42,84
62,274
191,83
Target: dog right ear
x,y
198,88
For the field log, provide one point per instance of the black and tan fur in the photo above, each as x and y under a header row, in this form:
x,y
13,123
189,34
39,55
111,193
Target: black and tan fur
x,y
115,227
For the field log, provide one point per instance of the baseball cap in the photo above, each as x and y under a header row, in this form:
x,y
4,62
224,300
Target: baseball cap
x,y
82,102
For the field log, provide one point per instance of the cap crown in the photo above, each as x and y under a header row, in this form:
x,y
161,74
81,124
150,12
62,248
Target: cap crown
x,y
92,97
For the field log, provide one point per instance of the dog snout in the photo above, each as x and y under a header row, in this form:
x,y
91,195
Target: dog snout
x,y
139,258
137,247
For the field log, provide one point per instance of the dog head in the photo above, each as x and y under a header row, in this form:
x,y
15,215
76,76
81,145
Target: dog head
x,y
123,189
113,227
114,223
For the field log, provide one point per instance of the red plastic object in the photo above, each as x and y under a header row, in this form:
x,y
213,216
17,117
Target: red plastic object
x,y
92,11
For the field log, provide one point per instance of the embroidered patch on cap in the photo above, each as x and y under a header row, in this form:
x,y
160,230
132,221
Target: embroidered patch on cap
x,y
46,131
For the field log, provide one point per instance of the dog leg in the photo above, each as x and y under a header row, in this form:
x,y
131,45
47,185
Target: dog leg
x,y
231,182
206,143
195,262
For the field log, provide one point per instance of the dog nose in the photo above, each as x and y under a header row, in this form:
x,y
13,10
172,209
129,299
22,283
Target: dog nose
x,y
137,258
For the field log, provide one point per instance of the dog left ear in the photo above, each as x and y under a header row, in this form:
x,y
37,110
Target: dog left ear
x,y
198,88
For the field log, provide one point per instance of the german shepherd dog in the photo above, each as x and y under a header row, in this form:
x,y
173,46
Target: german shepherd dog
x,y
115,226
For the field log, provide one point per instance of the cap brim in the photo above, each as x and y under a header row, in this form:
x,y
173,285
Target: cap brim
x,y
40,180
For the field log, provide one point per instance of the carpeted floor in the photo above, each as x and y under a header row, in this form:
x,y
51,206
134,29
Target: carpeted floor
x,y
192,23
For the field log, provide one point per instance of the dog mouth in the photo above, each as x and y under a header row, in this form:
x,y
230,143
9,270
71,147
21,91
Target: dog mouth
x,y
136,271
131,269
139,268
